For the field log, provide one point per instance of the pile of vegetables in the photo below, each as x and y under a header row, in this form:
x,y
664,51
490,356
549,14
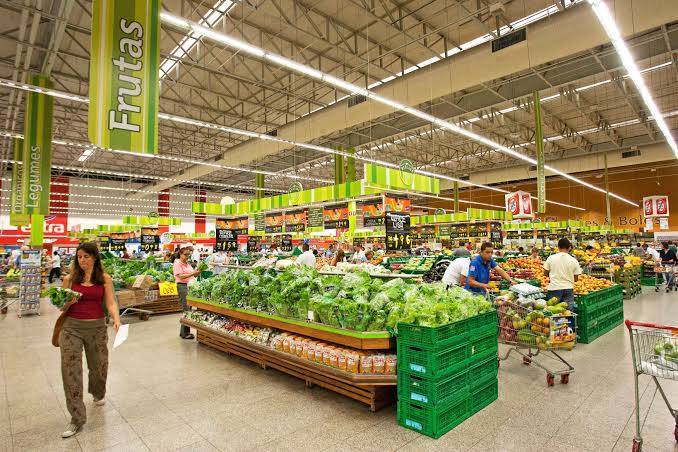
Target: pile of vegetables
x,y
60,296
13,275
125,272
353,301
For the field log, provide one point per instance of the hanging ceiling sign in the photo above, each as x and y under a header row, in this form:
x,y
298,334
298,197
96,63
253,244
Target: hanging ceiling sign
x,y
373,213
656,206
398,231
519,204
150,240
295,221
226,236
336,217
124,75
274,223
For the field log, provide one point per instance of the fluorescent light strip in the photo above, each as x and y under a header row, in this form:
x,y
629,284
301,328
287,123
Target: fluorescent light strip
x,y
607,21
355,89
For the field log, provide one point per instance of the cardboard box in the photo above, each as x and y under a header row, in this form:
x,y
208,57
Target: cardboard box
x,y
126,298
143,282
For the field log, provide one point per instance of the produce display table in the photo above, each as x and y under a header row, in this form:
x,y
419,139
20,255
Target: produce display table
x,y
376,391
146,302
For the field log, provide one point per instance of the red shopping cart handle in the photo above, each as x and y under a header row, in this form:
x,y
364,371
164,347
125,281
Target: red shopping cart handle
x,y
630,323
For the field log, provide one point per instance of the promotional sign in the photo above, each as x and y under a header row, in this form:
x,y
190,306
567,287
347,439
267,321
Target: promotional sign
x,y
259,222
373,213
274,223
37,150
116,243
664,223
167,289
426,232
444,230
656,206
295,221
124,78
286,243
253,244
150,240
315,217
16,218
396,204
336,217
648,224
519,204
226,237
239,225
398,231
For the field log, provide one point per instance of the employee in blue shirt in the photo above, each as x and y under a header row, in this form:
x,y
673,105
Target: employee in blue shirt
x,y
479,270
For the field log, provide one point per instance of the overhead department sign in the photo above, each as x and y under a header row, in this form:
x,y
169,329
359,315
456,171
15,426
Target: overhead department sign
x,y
124,75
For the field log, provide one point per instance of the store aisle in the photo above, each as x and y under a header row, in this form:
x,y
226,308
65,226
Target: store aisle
x,y
169,394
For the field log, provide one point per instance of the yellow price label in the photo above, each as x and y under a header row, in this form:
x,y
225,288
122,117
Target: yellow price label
x,y
167,289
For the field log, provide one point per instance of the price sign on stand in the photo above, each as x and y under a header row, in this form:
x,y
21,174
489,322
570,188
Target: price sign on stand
x,y
286,243
116,244
398,231
227,240
167,289
150,240
253,243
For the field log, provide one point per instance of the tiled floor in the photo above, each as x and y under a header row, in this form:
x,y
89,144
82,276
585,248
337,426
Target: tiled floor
x,y
168,394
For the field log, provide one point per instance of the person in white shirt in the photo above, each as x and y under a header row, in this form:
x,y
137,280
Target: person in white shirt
x,y
307,257
358,255
563,271
218,261
457,272
651,251
56,267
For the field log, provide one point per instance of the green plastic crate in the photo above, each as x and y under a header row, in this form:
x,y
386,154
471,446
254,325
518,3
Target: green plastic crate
x,y
594,330
436,391
483,396
446,335
434,421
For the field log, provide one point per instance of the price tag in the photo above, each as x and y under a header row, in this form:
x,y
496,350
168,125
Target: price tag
x,y
167,289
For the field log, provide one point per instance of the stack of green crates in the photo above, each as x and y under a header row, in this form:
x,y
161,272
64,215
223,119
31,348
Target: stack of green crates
x,y
629,279
599,312
649,277
446,374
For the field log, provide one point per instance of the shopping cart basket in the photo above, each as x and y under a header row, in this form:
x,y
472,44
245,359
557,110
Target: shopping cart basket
x,y
7,299
654,351
534,336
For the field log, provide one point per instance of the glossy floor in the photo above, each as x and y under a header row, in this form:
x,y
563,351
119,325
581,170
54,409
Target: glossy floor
x,y
169,394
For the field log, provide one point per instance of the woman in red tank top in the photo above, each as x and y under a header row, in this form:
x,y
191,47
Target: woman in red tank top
x,y
85,328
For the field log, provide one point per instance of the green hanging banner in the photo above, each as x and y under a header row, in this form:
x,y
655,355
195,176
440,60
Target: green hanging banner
x,y
124,78
539,141
37,150
259,182
16,218
37,230
339,175
456,196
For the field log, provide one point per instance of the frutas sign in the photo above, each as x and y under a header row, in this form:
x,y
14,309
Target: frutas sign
x,y
124,75
519,204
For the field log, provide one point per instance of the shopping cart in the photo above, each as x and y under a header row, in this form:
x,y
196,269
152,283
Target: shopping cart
x,y
9,294
534,336
659,270
654,351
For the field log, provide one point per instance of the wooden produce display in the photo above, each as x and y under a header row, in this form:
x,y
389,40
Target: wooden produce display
x,y
374,390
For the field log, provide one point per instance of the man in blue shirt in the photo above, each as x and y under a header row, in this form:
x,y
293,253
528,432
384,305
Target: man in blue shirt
x,y
479,270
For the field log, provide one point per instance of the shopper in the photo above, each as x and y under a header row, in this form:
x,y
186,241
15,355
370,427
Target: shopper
x,y
85,327
369,255
462,250
330,251
339,257
535,253
218,262
306,257
457,272
358,255
669,260
479,270
638,250
55,270
651,252
521,250
563,271
183,274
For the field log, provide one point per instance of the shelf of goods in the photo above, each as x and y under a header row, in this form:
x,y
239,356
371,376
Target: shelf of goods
x,y
375,390
599,312
629,278
446,374
147,300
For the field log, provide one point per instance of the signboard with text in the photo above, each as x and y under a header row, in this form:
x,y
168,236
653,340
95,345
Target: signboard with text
x,y
150,240
336,217
295,221
398,231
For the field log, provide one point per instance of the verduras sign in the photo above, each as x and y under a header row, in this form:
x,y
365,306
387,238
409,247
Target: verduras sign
x,y
124,75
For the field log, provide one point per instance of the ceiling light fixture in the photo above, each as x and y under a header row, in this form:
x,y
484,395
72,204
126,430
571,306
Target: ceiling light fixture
x,y
605,18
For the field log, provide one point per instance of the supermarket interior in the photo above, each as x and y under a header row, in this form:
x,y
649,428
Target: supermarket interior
x,y
283,225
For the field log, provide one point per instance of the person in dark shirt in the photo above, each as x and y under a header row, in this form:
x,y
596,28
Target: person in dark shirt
x,y
669,260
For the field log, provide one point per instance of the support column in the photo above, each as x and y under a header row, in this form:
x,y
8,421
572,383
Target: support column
x,y
456,196
539,142
350,166
339,169
608,210
200,222
259,183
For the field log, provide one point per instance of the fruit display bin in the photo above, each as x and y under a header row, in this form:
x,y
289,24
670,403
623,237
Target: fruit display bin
x,y
600,326
455,332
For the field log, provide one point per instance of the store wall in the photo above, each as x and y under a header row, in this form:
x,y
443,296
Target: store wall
x,y
632,183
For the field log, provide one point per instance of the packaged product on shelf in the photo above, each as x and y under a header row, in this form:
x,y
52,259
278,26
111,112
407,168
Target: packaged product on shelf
x,y
378,364
366,364
334,357
342,359
352,362
319,350
391,364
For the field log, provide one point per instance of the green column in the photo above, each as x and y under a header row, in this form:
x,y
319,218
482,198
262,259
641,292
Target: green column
x,y
37,226
539,142
350,166
259,182
608,210
16,218
37,150
339,168
456,196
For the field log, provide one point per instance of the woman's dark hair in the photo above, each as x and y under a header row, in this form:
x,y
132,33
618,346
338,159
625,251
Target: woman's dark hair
x,y
340,255
98,270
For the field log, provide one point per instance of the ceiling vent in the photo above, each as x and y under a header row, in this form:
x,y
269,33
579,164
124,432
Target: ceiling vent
x,y
631,153
356,99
